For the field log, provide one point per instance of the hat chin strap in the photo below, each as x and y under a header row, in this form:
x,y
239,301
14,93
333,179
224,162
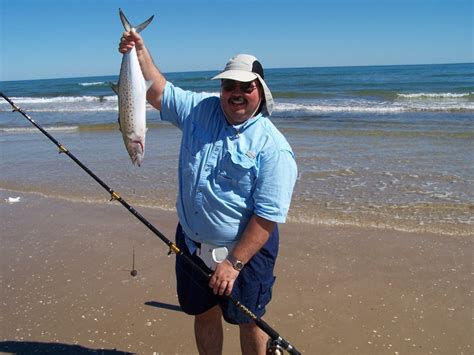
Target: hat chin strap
x,y
258,106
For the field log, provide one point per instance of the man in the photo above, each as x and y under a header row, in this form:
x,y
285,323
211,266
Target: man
x,y
236,177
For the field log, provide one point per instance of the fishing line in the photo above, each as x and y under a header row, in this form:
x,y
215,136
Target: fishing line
x,y
133,272
276,339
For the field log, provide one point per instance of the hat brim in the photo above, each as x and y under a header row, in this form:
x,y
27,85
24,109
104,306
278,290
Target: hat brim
x,y
238,75
245,76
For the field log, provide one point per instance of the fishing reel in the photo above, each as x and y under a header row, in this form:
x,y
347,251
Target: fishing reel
x,y
274,348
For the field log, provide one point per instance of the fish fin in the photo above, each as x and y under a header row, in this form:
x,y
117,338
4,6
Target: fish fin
x,y
128,27
115,87
148,84
120,126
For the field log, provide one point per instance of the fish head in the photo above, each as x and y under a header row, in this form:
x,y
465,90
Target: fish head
x,y
136,150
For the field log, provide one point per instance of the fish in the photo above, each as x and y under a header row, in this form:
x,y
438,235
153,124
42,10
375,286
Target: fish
x,y
131,90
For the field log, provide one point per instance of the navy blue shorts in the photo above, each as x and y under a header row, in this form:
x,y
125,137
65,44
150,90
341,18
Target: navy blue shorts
x,y
253,287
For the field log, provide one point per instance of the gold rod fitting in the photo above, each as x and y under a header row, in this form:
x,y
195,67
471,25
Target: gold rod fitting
x,y
62,149
174,249
114,196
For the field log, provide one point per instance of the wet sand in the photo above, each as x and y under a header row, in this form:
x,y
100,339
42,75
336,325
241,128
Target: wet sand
x,y
66,286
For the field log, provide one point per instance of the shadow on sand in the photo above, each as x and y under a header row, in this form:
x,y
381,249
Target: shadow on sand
x,y
33,347
171,307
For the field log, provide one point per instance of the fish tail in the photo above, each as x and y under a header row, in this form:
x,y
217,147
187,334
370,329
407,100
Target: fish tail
x,y
128,27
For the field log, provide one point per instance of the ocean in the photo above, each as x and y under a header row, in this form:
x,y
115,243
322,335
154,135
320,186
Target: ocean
x,y
387,147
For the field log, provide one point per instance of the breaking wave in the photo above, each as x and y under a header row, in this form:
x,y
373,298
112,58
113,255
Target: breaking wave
x,y
447,95
446,102
96,83
63,99
35,130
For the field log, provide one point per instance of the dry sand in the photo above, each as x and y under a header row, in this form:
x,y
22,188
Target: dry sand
x,y
66,286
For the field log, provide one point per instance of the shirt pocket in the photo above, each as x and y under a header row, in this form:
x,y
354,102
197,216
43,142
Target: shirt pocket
x,y
237,172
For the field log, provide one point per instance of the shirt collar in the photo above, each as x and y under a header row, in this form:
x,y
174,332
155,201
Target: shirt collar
x,y
243,126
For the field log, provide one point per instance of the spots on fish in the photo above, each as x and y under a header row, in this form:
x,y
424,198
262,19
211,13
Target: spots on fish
x,y
127,104
130,105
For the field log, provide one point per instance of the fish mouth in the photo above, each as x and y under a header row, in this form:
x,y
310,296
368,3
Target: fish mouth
x,y
136,150
138,160
140,143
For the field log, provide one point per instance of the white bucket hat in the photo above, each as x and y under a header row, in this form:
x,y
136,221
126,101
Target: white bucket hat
x,y
245,67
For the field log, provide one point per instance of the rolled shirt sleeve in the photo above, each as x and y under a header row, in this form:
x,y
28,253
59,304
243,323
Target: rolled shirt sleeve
x,y
276,180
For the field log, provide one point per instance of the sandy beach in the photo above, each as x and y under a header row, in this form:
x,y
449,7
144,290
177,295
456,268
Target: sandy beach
x,y
66,286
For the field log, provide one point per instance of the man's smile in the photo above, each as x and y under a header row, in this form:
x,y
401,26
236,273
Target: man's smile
x,y
238,100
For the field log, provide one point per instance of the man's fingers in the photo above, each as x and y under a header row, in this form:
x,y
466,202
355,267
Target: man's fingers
x,y
229,288
221,287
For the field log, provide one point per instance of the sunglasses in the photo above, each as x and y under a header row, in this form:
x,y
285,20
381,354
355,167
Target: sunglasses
x,y
246,87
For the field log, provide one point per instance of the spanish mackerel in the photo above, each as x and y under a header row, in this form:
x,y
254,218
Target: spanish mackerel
x,y
131,90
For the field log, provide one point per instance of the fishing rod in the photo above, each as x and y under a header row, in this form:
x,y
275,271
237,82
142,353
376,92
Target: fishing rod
x,y
276,342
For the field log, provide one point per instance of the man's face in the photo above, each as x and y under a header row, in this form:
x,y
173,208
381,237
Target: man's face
x,y
240,100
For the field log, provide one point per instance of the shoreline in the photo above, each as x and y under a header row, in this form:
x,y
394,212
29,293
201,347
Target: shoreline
x,y
321,217
65,275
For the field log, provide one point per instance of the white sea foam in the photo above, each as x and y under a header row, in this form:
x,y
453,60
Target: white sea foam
x,y
65,103
332,108
436,102
96,83
35,130
13,199
447,95
371,107
63,99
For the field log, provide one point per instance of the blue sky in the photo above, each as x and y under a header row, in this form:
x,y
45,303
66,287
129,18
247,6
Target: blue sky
x,y
71,38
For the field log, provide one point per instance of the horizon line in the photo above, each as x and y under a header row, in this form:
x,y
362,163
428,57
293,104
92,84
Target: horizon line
x,y
270,68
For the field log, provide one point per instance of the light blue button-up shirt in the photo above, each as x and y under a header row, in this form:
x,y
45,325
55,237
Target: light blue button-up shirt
x,y
226,173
